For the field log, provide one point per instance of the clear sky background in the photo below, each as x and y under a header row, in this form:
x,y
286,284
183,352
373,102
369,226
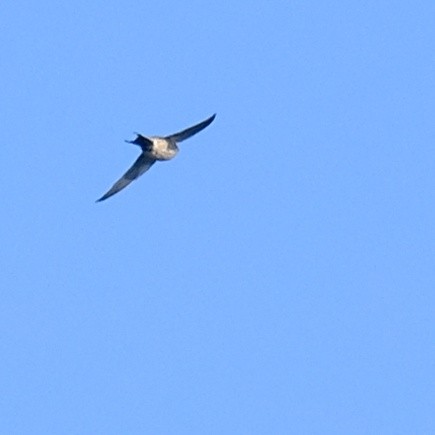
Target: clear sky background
x,y
277,276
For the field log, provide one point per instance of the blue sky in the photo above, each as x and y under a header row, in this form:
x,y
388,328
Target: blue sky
x,y
276,277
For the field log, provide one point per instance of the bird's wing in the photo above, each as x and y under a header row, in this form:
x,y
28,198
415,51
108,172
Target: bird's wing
x,y
189,132
141,165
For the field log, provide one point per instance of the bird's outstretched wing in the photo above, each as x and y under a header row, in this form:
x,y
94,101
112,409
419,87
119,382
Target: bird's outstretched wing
x,y
189,132
141,165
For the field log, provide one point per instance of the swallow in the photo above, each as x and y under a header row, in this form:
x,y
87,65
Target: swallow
x,y
154,148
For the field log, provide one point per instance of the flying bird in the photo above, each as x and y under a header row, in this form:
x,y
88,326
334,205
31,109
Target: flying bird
x,y
154,148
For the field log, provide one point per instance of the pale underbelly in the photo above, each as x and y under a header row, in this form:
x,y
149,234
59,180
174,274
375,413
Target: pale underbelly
x,y
164,154
163,149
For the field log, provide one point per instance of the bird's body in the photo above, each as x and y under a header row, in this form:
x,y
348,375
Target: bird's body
x,y
154,148
163,149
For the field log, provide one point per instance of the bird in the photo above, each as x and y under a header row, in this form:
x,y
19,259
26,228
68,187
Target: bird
x,y
154,148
